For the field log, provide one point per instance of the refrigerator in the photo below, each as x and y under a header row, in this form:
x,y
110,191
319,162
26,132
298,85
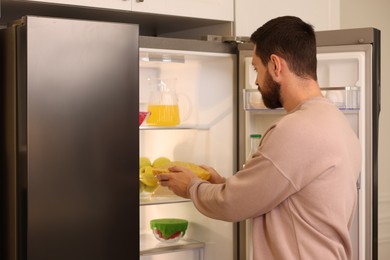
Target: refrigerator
x,y
69,117
69,111
226,108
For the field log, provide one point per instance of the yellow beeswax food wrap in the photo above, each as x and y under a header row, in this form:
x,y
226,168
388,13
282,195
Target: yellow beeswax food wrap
x,y
144,161
160,161
148,181
202,173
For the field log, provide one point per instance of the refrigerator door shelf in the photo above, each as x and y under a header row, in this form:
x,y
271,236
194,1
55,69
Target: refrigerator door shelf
x,y
345,98
254,103
253,99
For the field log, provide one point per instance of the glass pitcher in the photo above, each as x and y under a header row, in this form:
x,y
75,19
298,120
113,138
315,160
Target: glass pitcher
x,y
163,103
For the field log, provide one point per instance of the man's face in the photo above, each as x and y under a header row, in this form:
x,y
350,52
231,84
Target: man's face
x,y
269,89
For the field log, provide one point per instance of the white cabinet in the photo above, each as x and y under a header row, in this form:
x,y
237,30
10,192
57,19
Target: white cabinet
x,y
206,9
107,4
251,14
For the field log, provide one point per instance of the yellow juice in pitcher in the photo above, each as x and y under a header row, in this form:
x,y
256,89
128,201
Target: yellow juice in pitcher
x,y
163,115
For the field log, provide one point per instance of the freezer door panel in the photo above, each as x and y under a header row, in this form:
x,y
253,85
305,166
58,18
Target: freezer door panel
x,y
80,139
338,68
348,74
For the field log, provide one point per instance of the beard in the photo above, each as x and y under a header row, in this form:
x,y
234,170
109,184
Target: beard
x,y
270,92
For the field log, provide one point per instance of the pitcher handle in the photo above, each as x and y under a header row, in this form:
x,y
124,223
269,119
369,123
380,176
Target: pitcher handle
x,y
185,108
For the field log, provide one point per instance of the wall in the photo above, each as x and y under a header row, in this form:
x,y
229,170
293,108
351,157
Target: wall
x,y
375,13
250,14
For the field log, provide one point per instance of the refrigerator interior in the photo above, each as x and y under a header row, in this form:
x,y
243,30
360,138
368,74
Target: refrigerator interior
x,y
344,76
205,84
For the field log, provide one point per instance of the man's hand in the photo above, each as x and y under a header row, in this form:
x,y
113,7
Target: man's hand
x,y
177,180
215,178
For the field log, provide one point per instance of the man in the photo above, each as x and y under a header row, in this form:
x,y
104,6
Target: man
x,y
299,188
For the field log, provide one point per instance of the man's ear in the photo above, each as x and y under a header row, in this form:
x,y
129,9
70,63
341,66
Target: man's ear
x,y
275,67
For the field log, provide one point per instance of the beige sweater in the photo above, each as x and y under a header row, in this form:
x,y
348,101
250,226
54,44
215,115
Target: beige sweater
x,y
299,188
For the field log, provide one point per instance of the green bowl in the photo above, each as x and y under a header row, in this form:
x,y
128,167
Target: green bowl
x,y
168,229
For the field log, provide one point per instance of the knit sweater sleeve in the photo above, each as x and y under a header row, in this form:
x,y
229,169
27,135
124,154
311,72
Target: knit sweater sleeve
x,y
251,192
302,147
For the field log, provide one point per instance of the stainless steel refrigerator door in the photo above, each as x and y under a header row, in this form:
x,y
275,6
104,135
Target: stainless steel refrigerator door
x,y
366,42
359,56
78,137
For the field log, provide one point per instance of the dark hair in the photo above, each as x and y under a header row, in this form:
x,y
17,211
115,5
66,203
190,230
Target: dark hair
x,y
290,38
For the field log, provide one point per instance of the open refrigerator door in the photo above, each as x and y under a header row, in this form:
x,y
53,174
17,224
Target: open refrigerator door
x,y
202,75
349,75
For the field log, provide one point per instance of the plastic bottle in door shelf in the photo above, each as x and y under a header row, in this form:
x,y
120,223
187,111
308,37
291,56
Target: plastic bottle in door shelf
x,y
254,142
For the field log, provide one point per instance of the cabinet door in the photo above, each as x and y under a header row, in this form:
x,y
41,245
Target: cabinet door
x,y
108,4
251,14
206,9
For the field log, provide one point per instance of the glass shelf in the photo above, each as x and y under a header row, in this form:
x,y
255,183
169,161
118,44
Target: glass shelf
x,y
179,127
161,200
160,196
266,110
149,245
